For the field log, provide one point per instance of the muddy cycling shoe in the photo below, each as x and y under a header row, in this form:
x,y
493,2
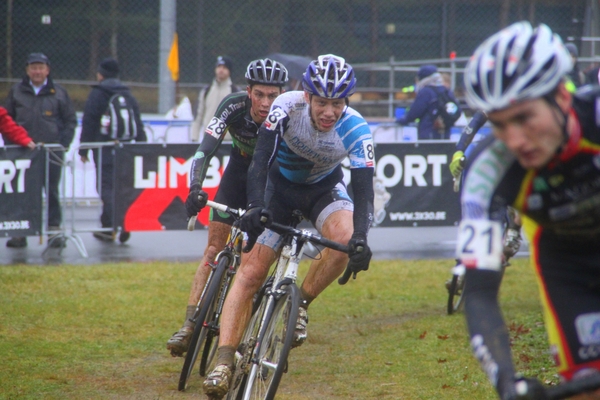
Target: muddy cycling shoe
x,y
180,341
300,334
512,243
216,384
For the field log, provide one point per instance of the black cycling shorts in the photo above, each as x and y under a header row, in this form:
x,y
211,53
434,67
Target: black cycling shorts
x,y
569,276
232,189
316,201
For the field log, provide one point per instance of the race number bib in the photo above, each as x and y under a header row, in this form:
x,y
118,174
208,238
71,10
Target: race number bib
x,y
274,118
369,151
479,244
216,127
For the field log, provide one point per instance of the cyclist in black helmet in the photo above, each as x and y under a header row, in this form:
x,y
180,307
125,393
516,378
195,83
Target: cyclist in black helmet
x,y
240,114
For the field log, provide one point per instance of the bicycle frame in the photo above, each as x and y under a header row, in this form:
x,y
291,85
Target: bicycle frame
x,y
210,305
286,272
251,361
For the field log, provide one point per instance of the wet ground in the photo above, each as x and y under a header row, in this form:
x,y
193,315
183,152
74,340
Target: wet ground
x,y
386,243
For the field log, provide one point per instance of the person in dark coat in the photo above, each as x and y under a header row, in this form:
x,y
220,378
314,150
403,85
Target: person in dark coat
x,y
92,131
425,107
46,112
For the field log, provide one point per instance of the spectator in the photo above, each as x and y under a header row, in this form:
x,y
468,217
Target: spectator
x,y
13,132
576,77
592,76
45,110
210,98
96,126
429,85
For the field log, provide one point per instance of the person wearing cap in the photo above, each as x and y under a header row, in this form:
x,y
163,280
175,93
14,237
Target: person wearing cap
x,y
210,97
425,107
576,78
45,110
92,131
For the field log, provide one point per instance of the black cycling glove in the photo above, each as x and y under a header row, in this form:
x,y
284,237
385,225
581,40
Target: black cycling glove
x,y
360,253
195,201
253,222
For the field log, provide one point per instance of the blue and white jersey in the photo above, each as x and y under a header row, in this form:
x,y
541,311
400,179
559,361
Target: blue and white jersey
x,y
307,155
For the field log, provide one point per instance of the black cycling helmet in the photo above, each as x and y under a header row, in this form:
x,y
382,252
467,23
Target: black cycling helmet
x,y
266,72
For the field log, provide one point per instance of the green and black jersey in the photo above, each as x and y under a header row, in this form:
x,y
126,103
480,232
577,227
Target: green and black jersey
x,y
233,116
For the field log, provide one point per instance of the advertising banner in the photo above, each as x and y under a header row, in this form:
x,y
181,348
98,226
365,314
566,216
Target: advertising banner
x,y
414,186
22,178
152,183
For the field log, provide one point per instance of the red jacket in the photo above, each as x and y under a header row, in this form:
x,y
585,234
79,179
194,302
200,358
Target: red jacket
x,y
14,133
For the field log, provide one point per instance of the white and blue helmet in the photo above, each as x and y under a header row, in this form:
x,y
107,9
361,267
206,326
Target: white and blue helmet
x,y
329,76
518,63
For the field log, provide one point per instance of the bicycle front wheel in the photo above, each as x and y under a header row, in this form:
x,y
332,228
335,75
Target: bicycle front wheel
x,y
275,342
456,293
245,350
204,323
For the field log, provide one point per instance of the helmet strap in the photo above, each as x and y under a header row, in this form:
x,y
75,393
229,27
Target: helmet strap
x,y
551,100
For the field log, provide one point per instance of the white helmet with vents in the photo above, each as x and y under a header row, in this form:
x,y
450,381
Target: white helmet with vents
x,y
515,64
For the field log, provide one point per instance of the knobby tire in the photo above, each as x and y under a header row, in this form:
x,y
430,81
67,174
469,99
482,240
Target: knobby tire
x,y
204,314
456,294
247,344
270,359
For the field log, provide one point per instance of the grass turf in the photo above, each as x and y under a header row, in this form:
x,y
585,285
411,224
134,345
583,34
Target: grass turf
x,y
99,332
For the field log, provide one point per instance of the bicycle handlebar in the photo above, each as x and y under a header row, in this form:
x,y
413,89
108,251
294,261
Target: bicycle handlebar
x,y
311,237
217,206
314,238
574,387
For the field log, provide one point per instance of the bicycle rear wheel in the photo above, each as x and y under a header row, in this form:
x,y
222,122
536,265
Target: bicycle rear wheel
x,y
204,322
275,341
456,293
208,361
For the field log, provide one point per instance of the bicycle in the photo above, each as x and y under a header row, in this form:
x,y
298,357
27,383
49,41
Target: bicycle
x,y
261,357
210,305
566,390
456,285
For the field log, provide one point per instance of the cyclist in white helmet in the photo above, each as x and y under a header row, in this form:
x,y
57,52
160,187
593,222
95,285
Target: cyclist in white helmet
x,y
544,160
240,114
309,133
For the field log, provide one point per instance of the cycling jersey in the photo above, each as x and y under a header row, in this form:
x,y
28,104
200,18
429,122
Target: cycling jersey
x,y
562,204
233,116
307,156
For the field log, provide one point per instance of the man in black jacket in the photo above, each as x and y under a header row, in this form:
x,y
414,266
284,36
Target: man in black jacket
x,y
45,110
95,128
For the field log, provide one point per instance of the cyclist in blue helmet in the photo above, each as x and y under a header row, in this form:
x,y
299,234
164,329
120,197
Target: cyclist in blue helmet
x,y
309,133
